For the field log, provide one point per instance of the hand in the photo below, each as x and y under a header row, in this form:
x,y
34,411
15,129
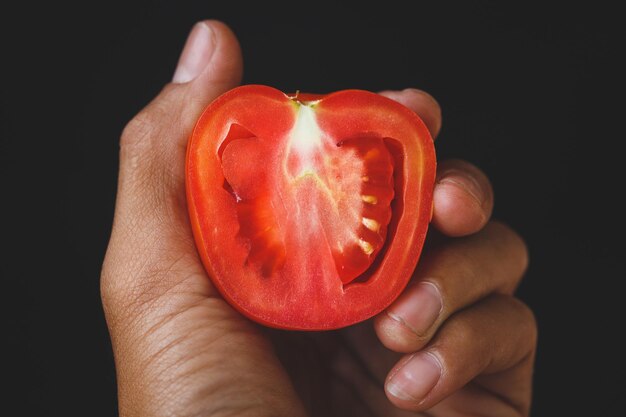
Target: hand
x,y
457,341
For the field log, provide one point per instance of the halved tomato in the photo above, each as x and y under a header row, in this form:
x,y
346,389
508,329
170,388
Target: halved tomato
x,y
309,212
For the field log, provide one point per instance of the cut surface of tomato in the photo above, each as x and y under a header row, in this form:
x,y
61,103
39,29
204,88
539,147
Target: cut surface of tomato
x,y
309,211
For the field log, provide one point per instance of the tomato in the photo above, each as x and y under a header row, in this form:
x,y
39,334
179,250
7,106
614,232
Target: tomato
x,y
309,212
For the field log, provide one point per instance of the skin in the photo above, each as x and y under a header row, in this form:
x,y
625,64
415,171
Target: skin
x,y
455,343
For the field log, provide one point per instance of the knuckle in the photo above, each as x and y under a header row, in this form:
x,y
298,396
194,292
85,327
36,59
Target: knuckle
x,y
453,261
127,297
466,330
150,147
507,234
111,293
140,128
523,254
143,127
519,245
524,319
106,290
126,281
461,329
517,250
528,321
137,145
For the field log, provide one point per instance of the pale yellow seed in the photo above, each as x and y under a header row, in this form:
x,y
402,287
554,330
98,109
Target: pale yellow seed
x,y
371,199
366,246
371,224
365,178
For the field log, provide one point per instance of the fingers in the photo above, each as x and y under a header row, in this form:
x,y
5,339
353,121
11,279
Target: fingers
x,y
450,278
462,199
497,334
459,304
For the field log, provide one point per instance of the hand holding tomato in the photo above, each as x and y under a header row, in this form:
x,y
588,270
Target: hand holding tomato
x,y
455,342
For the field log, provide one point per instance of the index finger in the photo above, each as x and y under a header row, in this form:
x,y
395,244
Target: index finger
x,y
421,103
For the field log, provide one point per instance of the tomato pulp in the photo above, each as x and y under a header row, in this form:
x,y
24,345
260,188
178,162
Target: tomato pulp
x,y
309,211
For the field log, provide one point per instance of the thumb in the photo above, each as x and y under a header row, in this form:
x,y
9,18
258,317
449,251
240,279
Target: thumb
x,y
211,61
151,185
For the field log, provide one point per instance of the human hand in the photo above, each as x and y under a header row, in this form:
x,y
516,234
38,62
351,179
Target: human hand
x,y
181,350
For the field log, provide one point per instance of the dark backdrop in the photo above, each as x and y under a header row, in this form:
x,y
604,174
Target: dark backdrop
x,y
531,95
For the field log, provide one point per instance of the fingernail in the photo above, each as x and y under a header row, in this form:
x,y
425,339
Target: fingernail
x,y
418,307
196,54
416,378
466,182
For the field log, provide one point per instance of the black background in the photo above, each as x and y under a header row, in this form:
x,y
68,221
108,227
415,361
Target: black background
x,y
530,94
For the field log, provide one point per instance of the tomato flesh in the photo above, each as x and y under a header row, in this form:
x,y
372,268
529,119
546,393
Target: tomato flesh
x,y
300,205
338,192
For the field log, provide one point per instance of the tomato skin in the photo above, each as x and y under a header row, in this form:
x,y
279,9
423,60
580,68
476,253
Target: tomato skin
x,y
245,234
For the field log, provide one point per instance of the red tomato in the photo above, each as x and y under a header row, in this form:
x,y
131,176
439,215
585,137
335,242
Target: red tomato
x,y
309,212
